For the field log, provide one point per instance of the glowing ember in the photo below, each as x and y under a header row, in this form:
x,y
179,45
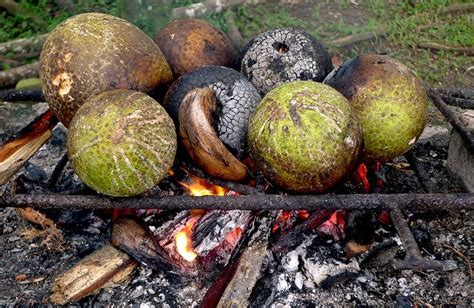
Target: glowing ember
x,y
362,173
303,214
183,244
233,236
200,187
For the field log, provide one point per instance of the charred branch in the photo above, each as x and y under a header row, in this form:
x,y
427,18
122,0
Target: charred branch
x,y
454,118
467,93
424,178
415,202
28,95
413,257
459,102
57,171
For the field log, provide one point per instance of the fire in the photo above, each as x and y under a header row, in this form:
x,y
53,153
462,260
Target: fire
x,y
184,244
200,187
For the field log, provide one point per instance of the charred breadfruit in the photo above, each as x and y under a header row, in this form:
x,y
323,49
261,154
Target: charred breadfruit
x,y
90,53
191,43
390,100
121,142
304,136
236,100
283,55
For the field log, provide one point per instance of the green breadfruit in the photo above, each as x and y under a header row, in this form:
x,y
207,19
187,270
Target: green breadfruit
x,y
121,143
304,136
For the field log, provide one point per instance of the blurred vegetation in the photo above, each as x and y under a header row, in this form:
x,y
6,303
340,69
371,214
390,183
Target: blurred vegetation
x,y
404,23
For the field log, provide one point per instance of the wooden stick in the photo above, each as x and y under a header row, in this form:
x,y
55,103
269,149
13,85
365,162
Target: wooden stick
x,y
100,269
16,152
356,38
25,45
437,47
461,8
12,76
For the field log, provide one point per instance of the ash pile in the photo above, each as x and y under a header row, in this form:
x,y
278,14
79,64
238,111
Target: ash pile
x,y
271,133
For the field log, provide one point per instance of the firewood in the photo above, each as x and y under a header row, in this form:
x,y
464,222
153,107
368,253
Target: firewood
x,y
240,287
100,269
12,76
16,152
134,237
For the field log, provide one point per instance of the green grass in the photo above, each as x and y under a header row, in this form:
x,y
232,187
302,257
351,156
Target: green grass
x,y
405,27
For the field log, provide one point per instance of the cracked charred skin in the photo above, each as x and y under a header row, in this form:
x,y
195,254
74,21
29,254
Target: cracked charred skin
x,y
121,143
304,136
390,101
236,101
283,55
90,53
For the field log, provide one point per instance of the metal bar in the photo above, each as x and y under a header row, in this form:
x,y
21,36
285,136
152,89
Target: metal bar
x,y
453,118
415,202
28,95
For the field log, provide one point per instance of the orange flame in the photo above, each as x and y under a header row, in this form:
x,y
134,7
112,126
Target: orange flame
x,y
200,187
184,245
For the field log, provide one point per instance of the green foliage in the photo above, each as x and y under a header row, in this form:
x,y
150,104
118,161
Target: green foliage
x,y
406,26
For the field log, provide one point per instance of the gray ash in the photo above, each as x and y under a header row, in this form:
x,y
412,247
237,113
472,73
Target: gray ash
x,y
284,55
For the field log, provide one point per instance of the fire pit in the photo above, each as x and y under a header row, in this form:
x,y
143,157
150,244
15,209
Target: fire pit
x,y
244,245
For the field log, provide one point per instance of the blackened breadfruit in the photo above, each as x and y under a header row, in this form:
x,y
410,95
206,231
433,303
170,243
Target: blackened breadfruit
x,y
283,55
236,101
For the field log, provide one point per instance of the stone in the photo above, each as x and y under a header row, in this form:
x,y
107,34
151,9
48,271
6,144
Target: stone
x,y
460,159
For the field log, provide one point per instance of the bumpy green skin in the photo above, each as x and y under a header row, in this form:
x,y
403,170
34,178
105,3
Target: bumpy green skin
x,y
390,100
121,143
304,136
90,53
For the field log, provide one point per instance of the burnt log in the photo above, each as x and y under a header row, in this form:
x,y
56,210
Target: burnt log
x,y
454,119
99,269
16,151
